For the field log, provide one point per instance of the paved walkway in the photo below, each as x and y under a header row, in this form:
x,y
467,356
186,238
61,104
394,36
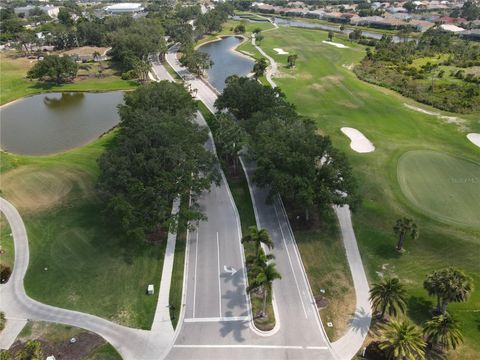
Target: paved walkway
x,y
131,343
272,69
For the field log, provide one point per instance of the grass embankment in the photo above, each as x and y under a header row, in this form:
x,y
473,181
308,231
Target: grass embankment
x,y
78,259
176,284
7,252
241,194
14,84
323,88
228,30
55,339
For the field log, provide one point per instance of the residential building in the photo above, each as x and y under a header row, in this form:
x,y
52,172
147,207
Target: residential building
x,y
50,10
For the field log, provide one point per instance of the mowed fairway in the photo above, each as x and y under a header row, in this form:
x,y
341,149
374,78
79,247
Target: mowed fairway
x,y
323,87
78,259
443,186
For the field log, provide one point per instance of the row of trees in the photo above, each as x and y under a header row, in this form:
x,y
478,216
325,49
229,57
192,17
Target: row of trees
x,y
292,158
400,339
157,156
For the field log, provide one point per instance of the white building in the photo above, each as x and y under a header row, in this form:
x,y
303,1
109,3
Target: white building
x,y
124,8
452,28
50,10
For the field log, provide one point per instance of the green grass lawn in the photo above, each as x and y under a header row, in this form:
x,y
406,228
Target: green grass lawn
x,y
442,186
176,283
14,84
7,252
323,88
227,29
90,266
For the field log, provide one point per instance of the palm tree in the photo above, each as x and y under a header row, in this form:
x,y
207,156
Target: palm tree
x,y
449,285
402,341
259,68
443,331
255,262
267,273
433,284
258,237
291,60
456,288
388,295
405,227
96,56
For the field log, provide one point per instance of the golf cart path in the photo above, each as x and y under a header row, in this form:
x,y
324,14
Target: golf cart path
x,y
348,345
131,343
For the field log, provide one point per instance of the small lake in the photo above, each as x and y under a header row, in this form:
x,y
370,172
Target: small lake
x,y
226,61
50,123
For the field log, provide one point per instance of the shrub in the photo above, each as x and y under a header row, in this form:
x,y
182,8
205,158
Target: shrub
x,y
5,273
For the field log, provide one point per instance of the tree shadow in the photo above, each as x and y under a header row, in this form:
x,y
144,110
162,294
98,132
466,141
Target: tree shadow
x,y
419,309
235,328
387,251
360,321
236,298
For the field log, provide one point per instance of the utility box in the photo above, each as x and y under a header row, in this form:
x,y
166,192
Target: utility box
x,y
150,289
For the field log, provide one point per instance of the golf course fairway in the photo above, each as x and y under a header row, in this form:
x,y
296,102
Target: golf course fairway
x,y
431,157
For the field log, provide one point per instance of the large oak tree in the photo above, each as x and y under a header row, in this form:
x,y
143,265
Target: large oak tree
x,y
158,155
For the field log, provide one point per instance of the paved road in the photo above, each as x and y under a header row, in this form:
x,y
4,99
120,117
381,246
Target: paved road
x,y
202,91
273,217
233,336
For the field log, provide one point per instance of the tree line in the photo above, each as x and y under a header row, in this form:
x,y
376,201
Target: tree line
x,y
292,158
391,64
134,42
157,156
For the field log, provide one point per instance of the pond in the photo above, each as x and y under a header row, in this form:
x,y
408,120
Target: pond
x,y
226,61
50,123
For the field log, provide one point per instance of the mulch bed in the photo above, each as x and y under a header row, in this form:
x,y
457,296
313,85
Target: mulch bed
x,y
85,344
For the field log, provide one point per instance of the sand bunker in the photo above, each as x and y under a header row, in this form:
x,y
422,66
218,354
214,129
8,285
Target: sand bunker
x,y
450,119
338,45
281,51
474,138
359,142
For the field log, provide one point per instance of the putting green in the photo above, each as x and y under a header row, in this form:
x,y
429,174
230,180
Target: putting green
x,y
444,187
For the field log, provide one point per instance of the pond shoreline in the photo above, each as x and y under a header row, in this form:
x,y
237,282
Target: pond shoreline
x,y
55,122
214,74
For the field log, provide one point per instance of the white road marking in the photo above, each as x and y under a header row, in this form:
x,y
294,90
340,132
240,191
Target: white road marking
x,y
218,319
240,347
195,274
219,286
229,269
305,279
316,347
290,261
